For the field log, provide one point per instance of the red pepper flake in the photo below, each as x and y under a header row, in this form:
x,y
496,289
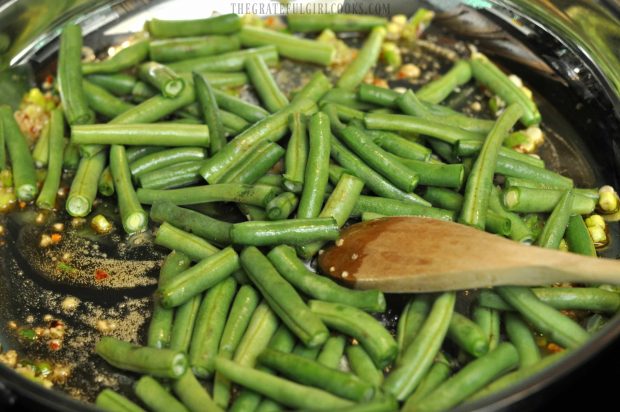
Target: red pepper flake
x,y
101,274
54,344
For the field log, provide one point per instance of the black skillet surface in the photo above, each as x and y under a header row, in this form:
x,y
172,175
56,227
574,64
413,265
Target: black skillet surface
x,y
32,285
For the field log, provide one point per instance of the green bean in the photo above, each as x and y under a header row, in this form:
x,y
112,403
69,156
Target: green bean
x,y
437,374
515,377
164,79
578,237
256,195
155,108
271,180
317,172
591,299
470,379
200,277
156,397
108,400
411,320
209,327
291,232
200,224
210,112
247,111
522,338
163,363
398,174
252,213
527,200
516,168
332,351
363,366
225,79
123,59
193,246
102,101
511,182
405,123
443,198
183,325
226,62
489,320
418,357
3,163
346,113
497,224
309,372
40,151
518,229
400,146
84,186
23,170
373,180
173,176
379,96
241,312
246,401
292,269
169,50
445,151
134,218
264,84
281,206
283,299
467,148
410,104
47,196
160,159
478,188
193,395
296,154
559,328
391,207
223,24
159,134
468,335
295,48
345,98
437,90
314,89
70,77
272,128
339,206
287,393
434,174
260,330
160,325
492,77
71,156
119,84
366,58
306,352
306,23
555,226
255,164
142,91
233,124
360,325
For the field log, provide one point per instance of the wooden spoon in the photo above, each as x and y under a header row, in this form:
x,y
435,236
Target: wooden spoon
x,y
412,254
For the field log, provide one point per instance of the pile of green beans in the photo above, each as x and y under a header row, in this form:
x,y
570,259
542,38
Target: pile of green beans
x,y
161,125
